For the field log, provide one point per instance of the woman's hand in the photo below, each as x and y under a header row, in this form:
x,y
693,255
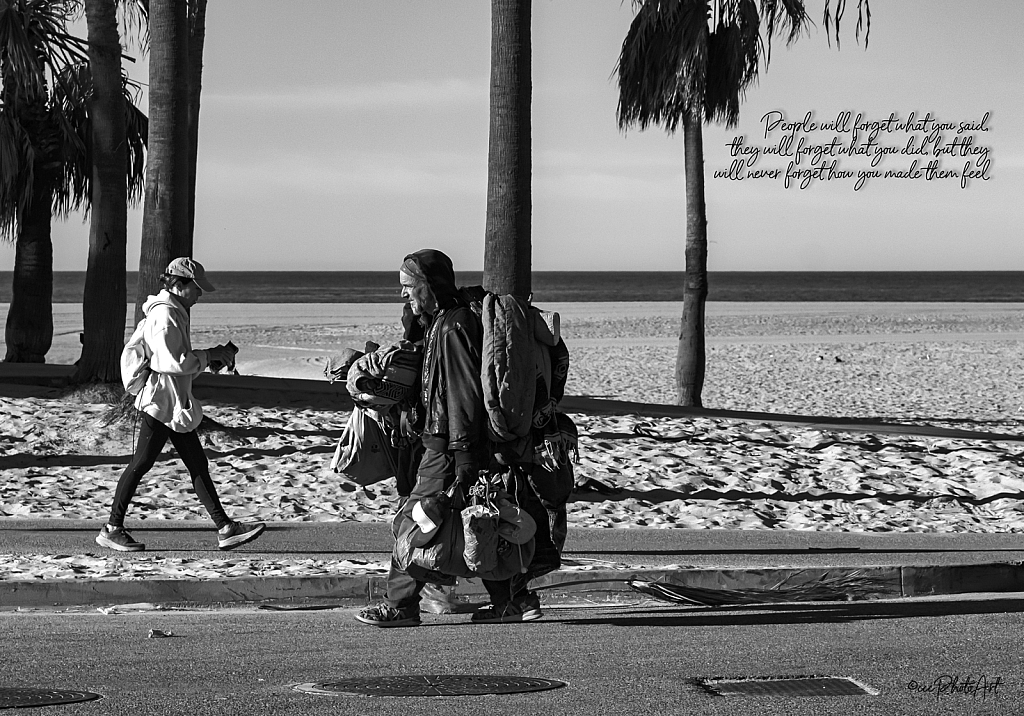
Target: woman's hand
x,y
220,357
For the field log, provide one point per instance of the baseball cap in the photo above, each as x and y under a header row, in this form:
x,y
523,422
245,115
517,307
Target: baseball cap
x,y
190,268
428,514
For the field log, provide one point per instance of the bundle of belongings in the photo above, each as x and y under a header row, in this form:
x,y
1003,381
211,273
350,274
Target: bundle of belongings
x,y
383,383
442,537
524,372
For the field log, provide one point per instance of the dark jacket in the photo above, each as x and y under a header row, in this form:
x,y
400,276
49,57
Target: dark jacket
x,y
451,391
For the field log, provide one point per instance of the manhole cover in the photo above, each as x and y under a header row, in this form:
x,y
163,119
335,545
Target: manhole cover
x,y
788,686
430,686
18,698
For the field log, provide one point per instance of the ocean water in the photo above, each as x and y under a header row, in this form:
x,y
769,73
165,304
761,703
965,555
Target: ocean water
x,y
382,286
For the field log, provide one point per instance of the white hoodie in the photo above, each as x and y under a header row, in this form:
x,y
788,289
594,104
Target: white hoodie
x,y
167,395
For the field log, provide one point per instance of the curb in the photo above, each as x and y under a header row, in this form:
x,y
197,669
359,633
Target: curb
x,y
53,374
68,593
890,582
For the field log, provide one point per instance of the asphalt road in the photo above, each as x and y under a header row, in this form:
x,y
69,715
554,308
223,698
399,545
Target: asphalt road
x,y
634,659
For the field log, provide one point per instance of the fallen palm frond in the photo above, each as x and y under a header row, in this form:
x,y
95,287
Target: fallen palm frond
x,y
855,585
95,393
123,413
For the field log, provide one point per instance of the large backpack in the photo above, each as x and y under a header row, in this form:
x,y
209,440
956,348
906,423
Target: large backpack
x,y
135,360
523,371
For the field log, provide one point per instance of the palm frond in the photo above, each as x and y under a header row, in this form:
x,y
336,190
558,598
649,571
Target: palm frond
x,y
70,101
135,23
137,139
663,64
673,65
70,110
734,57
788,18
852,586
835,17
45,84
35,44
17,158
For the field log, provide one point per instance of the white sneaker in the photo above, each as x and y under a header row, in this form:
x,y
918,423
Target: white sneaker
x,y
119,539
237,533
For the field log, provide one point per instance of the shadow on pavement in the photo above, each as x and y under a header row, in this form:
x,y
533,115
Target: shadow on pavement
x,y
795,613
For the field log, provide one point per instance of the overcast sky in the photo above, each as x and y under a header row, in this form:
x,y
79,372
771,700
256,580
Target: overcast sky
x,y
342,134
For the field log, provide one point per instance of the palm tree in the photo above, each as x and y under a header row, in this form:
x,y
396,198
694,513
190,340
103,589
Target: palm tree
x,y
177,31
196,42
688,62
507,248
68,85
34,139
115,133
166,209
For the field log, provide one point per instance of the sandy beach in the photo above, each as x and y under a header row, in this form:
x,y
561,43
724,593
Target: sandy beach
x,y
948,365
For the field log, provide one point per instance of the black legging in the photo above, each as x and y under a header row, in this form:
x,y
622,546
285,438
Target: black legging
x,y
152,437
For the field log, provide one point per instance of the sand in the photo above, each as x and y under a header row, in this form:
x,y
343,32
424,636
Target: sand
x,y
947,365
951,365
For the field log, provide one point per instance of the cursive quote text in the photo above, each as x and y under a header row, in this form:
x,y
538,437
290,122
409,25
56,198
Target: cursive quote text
x,y
858,150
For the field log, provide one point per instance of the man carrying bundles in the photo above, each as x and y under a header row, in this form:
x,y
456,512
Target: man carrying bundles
x,y
457,461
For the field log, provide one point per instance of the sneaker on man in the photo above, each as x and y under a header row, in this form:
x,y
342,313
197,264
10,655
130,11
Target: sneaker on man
x,y
529,604
523,611
385,616
118,538
238,533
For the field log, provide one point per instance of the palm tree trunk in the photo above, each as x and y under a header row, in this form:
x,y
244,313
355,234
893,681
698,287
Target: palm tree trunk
x,y
690,357
507,239
196,41
103,307
165,214
29,330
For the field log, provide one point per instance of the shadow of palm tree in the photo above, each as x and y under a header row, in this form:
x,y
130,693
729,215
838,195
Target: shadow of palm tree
x,y
262,432
603,406
867,442
13,462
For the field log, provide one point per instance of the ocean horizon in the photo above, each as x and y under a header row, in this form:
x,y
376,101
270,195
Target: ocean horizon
x,y
599,286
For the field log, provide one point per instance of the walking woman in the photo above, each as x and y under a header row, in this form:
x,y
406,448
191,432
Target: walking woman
x,y
169,410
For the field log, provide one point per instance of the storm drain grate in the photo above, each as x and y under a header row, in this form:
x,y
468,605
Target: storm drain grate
x,y
787,686
460,685
19,698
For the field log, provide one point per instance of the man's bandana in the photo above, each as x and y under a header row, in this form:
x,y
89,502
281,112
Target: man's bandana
x,y
411,267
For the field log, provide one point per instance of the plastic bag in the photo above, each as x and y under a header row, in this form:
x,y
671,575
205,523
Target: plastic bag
x,y
441,557
364,452
499,536
480,531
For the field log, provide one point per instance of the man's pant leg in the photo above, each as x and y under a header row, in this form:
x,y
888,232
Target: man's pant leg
x,y
436,473
547,556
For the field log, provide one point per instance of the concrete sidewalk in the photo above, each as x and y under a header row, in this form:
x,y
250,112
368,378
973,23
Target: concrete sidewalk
x,y
598,563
